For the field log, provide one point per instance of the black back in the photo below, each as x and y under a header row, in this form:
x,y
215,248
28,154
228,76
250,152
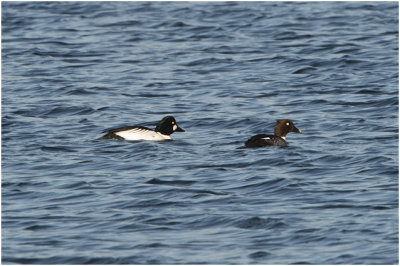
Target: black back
x,y
111,132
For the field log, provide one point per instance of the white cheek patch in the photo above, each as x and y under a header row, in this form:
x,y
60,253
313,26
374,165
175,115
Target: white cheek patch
x,y
174,127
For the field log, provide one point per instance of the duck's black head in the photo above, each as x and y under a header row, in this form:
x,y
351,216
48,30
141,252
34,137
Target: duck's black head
x,y
168,125
284,126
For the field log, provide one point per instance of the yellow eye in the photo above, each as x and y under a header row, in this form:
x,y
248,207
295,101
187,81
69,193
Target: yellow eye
x,y
173,122
287,123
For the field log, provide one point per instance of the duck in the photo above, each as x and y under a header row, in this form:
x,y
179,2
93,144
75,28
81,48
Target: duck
x,y
162,132
282,128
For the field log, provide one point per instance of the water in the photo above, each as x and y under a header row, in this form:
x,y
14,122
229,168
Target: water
x,y
226,71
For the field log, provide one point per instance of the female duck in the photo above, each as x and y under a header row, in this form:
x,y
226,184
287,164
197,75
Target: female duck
x,y
282,128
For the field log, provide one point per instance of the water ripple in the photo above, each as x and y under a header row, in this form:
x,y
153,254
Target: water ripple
x,y
226,71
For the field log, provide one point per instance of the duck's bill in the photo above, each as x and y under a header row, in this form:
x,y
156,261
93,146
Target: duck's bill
x,y
295,129
178,129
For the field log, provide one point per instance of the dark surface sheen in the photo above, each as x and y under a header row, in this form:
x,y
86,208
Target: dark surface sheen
x,y
226,72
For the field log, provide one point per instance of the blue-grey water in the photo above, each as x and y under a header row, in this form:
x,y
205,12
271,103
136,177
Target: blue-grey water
x,y
226,71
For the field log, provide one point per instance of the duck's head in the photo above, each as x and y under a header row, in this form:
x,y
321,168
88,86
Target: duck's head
x,y
168,125
284,126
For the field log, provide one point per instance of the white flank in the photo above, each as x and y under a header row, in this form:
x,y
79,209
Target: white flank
x,y
141,134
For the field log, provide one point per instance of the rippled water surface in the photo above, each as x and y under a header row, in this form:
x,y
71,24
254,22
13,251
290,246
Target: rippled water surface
x,y
226,71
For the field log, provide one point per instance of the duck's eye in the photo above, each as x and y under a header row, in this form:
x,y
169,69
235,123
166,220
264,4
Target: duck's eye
x,y
173,122
287,123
